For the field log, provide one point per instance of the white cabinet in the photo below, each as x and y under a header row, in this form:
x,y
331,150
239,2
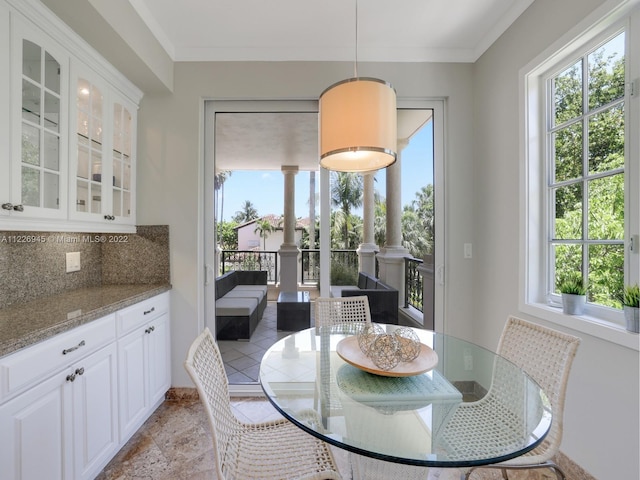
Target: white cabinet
x,y
94,412
36,417
69,403
39,125
67,129
144,361
102,151
5,101
66,426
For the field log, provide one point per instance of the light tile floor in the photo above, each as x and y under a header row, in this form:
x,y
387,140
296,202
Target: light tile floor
x,y
242,359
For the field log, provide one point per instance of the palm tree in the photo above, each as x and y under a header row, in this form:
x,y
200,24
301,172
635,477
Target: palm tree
x,y
346,193
247,213
218,188
380,221
264,228
418,223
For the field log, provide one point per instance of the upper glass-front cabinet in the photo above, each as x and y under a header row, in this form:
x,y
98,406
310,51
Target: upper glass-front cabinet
x,y
122,160
103,147
90,147
38,168
67,132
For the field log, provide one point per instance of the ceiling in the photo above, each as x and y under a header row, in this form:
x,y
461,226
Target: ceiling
x,y
324,30
266,141
317,30
286,30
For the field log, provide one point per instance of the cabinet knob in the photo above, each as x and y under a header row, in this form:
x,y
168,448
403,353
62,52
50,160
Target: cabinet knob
x,y
109,217
11,206
71,377
79,371
150,329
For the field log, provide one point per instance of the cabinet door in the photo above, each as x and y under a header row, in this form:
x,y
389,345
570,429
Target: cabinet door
x,y
132,379
39,143
90,167
159,358
5,116
35,438
95,412
123,161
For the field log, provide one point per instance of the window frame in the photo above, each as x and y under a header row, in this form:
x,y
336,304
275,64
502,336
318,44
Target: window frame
x,y
535,262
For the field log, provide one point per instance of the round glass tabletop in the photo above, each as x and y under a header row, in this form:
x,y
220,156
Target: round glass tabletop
x,y
472,408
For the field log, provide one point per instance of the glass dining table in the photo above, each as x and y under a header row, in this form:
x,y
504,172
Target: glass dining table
x,y
463,405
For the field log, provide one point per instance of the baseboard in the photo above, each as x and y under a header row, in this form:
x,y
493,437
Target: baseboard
x,y
572,470
175,393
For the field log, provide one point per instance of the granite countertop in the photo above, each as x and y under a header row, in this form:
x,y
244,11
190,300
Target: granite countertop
x,y
29,323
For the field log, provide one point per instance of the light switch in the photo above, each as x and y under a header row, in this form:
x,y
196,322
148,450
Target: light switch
x,y
73,261
467,250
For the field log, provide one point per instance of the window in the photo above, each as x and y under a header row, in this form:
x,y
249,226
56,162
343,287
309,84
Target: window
x,y
581,173
585,138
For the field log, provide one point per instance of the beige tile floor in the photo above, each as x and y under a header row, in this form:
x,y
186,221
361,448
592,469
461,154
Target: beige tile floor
x,y
175,444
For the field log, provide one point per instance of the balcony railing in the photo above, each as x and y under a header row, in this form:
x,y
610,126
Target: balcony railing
x,y
310,273
413,292
344,269
251,260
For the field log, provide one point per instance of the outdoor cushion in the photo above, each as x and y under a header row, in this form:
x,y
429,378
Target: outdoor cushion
x,y
259,288
235,307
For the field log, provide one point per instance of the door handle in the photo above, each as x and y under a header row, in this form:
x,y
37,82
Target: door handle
x,y
208,274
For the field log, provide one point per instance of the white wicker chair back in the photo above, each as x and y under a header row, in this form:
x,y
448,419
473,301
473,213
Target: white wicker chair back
x,y
276,450
344,314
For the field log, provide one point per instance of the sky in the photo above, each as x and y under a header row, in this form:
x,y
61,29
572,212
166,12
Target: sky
x,y
265,189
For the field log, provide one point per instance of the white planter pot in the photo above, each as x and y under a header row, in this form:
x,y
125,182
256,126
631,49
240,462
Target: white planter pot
x,y
573,304
632,318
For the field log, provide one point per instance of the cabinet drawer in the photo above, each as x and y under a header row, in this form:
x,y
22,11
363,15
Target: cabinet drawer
x,y
24,368
140,313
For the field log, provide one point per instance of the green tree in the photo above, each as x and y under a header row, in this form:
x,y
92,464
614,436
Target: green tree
x,y
246,213
346,193
264,228
380,221
227,235
418,223
218,188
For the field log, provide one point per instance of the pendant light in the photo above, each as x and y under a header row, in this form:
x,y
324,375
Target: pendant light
x,y
358,123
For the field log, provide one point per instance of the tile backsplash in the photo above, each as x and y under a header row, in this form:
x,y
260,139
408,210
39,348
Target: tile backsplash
x,y
32,264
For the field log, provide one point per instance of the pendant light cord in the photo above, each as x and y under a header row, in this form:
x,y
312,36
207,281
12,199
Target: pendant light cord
x,y
355,65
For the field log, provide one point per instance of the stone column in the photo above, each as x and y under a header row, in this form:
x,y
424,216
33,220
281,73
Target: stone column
x,y
367,249
289,250
392,255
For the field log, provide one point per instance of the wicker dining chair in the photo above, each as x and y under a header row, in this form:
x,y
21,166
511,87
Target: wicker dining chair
x,y
348,315
342,314
335,315
275,450
546,355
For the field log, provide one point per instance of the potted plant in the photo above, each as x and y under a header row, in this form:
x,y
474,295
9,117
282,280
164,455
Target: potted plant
x,y
573,292
630,300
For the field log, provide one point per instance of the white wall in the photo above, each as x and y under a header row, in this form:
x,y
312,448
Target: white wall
x,y
482,181
601,423
169,163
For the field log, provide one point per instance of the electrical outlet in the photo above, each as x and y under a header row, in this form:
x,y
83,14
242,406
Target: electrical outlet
x,y
468,361
73,261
